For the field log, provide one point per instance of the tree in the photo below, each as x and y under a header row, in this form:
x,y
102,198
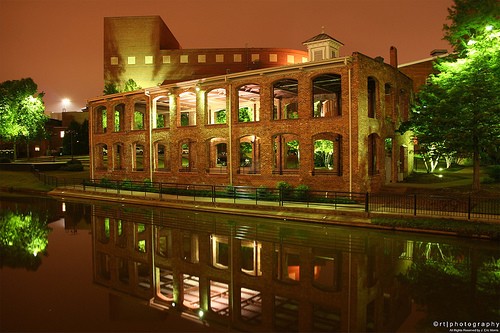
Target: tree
x,y
458,110
21,111
112,88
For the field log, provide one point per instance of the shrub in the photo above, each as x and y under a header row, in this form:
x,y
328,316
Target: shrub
x,y
494,172
5,160
73,165
302,191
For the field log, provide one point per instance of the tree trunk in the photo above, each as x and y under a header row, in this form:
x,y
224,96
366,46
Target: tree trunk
x,y
476,180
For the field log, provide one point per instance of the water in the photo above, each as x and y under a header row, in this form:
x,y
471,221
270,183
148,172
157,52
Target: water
x,y
91,266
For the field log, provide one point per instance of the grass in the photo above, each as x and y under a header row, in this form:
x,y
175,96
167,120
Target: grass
x,y
462,228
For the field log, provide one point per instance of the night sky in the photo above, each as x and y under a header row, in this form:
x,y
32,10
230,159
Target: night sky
x,y
59,43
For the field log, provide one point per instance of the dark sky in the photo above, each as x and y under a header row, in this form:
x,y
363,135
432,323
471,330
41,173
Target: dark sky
x,y
59,43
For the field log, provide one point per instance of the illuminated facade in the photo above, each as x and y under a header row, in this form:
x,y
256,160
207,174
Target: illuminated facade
x,y
328,124
144,49
257,275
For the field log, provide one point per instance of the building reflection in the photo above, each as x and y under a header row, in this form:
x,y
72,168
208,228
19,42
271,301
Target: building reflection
x,y
252,274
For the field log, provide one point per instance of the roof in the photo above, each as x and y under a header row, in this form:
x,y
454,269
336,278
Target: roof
x,y
320,37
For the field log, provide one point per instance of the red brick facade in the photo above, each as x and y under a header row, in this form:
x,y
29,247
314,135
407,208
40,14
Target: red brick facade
x,y
182,133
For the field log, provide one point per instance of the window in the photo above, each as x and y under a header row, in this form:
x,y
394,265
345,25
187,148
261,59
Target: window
x,y
219,58
138,157
119,118
286,154
161,112
285,94
202,58
220,251
184,59
131,60
187,109
114,60
237,57
249,155
100,119
327,96
117,156
216,105
327,154
148,60
372,97
372,154
326,270
139,115
273,57
162,158
290,59
166,59
249,103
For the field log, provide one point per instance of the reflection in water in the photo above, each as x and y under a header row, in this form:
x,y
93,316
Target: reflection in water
x,y
265,275
23,234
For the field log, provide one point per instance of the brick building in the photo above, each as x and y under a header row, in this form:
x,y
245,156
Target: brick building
x,y
329,124
144,49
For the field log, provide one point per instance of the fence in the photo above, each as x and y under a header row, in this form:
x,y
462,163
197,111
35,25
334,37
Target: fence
x,y
464,207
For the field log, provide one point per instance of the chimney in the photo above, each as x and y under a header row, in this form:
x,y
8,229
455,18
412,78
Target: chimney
x,y
394,57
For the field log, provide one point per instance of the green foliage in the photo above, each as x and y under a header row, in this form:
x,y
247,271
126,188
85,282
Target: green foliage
x,y
458,110
220,117
468,19
113,88
494,172
22,238
323,153
21,110
244,115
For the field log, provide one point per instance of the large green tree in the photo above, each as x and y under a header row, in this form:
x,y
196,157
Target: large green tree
x,y
458,110
21,111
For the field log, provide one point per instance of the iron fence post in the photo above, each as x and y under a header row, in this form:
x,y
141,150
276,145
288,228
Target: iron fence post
x,y
414,204
367,202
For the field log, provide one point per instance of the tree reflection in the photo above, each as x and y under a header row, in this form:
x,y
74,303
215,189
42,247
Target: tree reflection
x,y
453,285
23,237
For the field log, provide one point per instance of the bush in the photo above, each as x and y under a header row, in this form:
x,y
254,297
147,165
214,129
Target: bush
x,y
494,172
73,165
5,160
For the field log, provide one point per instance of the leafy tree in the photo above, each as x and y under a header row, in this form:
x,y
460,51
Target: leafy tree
x,y
21,111
112,88
458,110
76,140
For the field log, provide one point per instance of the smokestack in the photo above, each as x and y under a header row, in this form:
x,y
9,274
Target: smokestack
x,y
394,57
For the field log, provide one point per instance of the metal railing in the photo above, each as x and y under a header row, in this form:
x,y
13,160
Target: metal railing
x,y
464,207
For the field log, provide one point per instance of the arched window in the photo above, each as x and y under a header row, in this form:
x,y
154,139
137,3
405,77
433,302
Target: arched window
x,y
187,155
249,152
119,118
162,161
100,119
285,99
117,156
216,106
139,115
101,157
161,112
138,154
248,103
187,109
217,155
327,153
327,92
286,153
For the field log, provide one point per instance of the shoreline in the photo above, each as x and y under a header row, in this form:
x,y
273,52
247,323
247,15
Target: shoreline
x,y
309,215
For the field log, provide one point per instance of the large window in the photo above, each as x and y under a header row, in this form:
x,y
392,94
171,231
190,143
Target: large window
x,y
161,112
285,99
119,117
187,109
217,155
100,119
372,154
327,91
216,106
249,103
286,153
327,153
139,115
249,155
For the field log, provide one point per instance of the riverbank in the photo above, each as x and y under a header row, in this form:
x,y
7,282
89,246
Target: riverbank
x,y
28,184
